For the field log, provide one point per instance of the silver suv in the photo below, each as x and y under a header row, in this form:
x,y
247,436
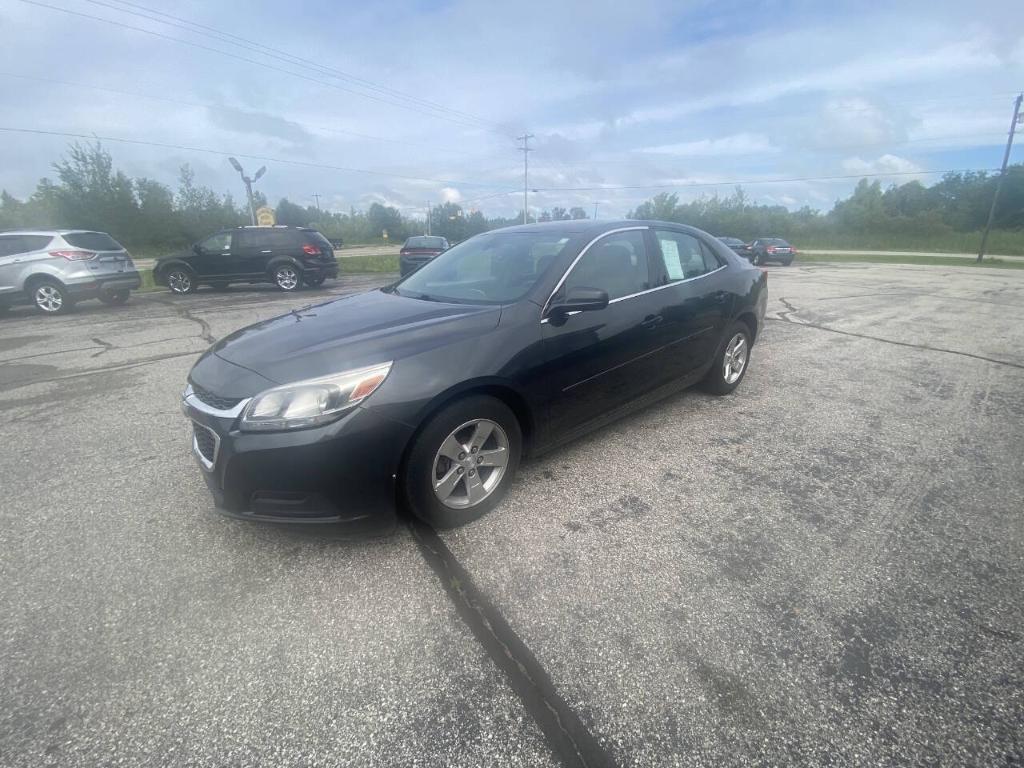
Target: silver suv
x,y
54,269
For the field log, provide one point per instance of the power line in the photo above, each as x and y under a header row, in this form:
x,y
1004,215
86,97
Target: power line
x,y
219,107
247,60
276,53
264,158
748,182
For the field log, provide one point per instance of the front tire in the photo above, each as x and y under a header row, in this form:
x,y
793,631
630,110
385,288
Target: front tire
x,y
181,281
731,361
51,298
462,462
115,298
755,259
287,278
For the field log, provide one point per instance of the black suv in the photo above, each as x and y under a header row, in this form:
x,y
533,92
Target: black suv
x,y
289,257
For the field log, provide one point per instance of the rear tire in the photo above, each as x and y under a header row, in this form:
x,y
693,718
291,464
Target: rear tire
x,y
116,298
51,298
481,435
287,277
181,281
731,361
787,262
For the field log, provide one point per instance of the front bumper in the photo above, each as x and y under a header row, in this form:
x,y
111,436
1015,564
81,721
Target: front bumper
x,y
343,472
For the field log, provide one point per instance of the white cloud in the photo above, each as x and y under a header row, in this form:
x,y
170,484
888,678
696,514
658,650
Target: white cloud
x,y
884,164
736,144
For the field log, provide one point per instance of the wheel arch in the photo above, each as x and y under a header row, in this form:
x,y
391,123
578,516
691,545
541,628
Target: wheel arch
x,y
160,270
750,319
42,277
278,261
496,388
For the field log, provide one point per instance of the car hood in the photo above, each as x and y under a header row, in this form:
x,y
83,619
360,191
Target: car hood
x,y
351,332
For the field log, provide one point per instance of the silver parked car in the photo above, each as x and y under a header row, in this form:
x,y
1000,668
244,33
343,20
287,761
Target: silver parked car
x,y
54,269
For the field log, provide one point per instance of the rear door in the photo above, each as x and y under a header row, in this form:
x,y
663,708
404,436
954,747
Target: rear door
x,y
693,301
10,248
597,361
251,250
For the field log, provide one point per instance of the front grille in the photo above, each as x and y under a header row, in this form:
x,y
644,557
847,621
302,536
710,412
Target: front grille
x,y
205,442
215,401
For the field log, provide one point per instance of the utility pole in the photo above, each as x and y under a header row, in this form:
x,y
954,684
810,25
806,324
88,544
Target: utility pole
x,y
595,211
525,149
316,196
428,217
1002,174
248,185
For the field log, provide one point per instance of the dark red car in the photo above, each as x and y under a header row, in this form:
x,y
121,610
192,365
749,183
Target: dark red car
x,y
418,250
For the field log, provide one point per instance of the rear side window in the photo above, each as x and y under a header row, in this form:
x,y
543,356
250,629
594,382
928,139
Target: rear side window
x,y
93,241
315,238
683,255
279,238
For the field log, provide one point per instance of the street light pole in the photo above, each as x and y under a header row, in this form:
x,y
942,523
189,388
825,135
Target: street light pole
x,y
248,185
1002,175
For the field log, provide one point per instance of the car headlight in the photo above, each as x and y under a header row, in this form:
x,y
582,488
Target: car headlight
x,y
312,402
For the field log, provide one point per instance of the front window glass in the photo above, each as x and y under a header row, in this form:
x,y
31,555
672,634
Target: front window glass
x,y
492,268
616,264
217,243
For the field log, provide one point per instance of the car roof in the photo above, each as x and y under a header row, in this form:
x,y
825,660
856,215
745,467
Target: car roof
x,y
49,232
590,226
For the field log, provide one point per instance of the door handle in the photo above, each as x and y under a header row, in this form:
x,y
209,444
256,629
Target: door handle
x,y
266,251
652,321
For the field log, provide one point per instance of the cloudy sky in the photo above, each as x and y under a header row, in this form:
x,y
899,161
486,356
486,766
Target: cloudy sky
x,y
408,102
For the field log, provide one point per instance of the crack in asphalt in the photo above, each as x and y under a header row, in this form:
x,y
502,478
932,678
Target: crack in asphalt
x,y
186,314
106,345
565,732
18,383
923,347
790,310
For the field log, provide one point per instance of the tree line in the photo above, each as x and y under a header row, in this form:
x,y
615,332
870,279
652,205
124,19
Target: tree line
x,y
146,215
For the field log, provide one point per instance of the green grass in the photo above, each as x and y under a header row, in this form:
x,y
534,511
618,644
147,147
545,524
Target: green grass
x,y
354,265
938,261
1008,242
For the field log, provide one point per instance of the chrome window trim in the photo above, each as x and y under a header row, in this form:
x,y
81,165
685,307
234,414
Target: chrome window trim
x,y
204,462
669,285
545,319
579,256
188,397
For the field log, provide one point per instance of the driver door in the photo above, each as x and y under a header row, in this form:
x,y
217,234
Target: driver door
x,y
213,255
598,360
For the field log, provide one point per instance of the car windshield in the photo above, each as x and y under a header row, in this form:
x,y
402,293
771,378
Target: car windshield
x,y
493,268
425,242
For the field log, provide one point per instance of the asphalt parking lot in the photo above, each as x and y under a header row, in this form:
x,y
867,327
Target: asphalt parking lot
x,y
824,568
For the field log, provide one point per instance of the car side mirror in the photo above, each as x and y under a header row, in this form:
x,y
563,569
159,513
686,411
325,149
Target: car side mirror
x,y
580,299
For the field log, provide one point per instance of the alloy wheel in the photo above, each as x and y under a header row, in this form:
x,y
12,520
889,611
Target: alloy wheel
x,y
48,298
287,279
735,359
470,464
179,282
